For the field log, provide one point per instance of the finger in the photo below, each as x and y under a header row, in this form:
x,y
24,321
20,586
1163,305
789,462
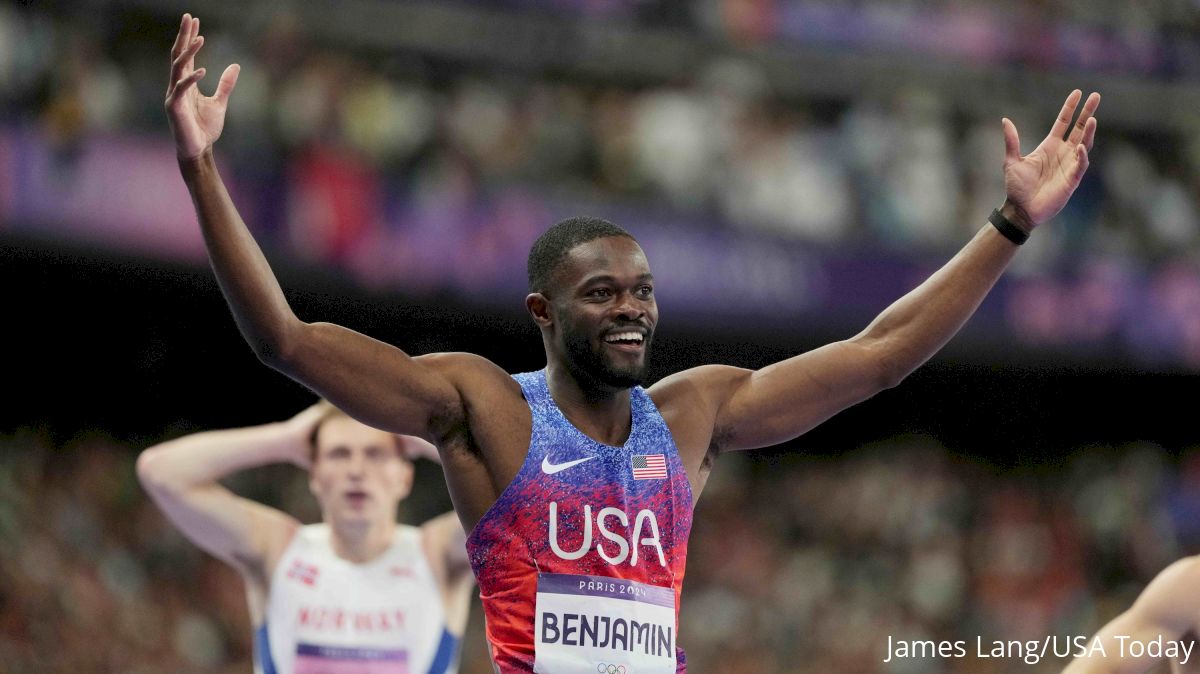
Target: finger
x,y
179,68
1059,130
182,85
1081,163
195,36
1089,134
181,36
1089,109
228,82
183,65
1012,142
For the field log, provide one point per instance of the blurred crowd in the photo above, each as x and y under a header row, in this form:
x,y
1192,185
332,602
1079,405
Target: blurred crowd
x,y
94,580
1140,38
811,564
342,147
797,565
716,13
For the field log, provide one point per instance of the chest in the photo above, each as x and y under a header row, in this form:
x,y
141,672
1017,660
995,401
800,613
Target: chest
x,y
386,617
320,598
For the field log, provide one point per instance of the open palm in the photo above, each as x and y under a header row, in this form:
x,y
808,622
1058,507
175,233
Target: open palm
x,y
196,120
1040,183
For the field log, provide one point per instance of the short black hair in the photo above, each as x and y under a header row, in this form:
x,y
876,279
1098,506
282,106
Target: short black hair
x,y
552,246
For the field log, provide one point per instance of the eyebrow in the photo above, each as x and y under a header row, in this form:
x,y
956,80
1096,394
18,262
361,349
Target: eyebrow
x,y
609,278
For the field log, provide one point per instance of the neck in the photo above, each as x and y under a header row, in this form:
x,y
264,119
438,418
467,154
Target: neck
x,y
361,542
603,413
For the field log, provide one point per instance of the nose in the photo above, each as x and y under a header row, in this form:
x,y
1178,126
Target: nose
x,y
629,308
358,466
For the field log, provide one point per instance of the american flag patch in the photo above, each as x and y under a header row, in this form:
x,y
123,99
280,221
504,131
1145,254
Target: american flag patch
x,y
649,466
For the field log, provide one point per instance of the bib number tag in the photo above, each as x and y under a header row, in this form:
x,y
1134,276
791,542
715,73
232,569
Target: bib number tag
x,y
312,659
590,624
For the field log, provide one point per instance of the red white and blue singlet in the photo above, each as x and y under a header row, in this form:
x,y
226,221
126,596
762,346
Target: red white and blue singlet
x,y
580,561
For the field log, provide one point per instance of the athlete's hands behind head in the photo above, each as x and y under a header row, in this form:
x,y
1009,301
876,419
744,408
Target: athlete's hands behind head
x,y
301,427
1040,183
196,120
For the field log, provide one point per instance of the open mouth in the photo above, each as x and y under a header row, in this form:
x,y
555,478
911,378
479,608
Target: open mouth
x,y
626,340
356,498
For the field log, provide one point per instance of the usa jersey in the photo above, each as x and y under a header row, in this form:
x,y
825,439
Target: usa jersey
x,y
326,615
580,561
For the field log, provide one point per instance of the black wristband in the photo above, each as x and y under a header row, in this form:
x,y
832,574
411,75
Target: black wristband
x,y
1008,229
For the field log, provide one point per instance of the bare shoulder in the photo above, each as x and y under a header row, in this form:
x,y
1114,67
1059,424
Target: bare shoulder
x,y
1172,595
690,403
1182,575
444,527
696,395
706,382
477,380
484,437
444,541
468,371
278,529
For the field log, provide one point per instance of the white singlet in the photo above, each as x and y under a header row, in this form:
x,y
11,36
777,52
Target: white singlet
x,y
326,615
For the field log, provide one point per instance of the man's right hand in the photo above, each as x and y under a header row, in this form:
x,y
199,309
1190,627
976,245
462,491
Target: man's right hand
x,y
301,427
196,120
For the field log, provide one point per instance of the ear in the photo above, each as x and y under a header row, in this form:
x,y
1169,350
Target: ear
x,y
410,476
539,307
312,483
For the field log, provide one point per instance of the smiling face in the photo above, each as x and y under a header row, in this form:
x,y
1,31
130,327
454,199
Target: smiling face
x,y
358,474
602,312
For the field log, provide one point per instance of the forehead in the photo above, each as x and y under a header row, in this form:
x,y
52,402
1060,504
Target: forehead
x,y
344,431
617,256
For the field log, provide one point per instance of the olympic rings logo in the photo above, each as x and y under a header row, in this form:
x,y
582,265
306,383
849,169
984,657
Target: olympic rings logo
x,y
603,668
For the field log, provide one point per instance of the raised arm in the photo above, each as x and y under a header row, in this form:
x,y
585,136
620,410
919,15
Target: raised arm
x,y
779,402
1167,609
445,544
372,381
416,448
182,476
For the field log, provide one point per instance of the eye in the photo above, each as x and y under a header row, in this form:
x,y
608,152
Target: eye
x,y
600,292
645,291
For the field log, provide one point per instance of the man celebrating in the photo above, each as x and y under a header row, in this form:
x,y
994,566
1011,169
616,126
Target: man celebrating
x,y
577,484
358,593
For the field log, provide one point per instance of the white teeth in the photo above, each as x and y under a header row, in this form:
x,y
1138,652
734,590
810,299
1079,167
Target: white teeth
x,y
632,336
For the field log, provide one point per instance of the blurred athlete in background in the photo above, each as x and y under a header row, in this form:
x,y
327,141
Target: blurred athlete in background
x,y
1161,626
357,593
577,484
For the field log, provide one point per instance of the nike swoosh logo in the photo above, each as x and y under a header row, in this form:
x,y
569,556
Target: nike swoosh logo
x,y
552,468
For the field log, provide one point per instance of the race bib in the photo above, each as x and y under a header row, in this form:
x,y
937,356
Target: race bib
x,y
596,624
312,659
